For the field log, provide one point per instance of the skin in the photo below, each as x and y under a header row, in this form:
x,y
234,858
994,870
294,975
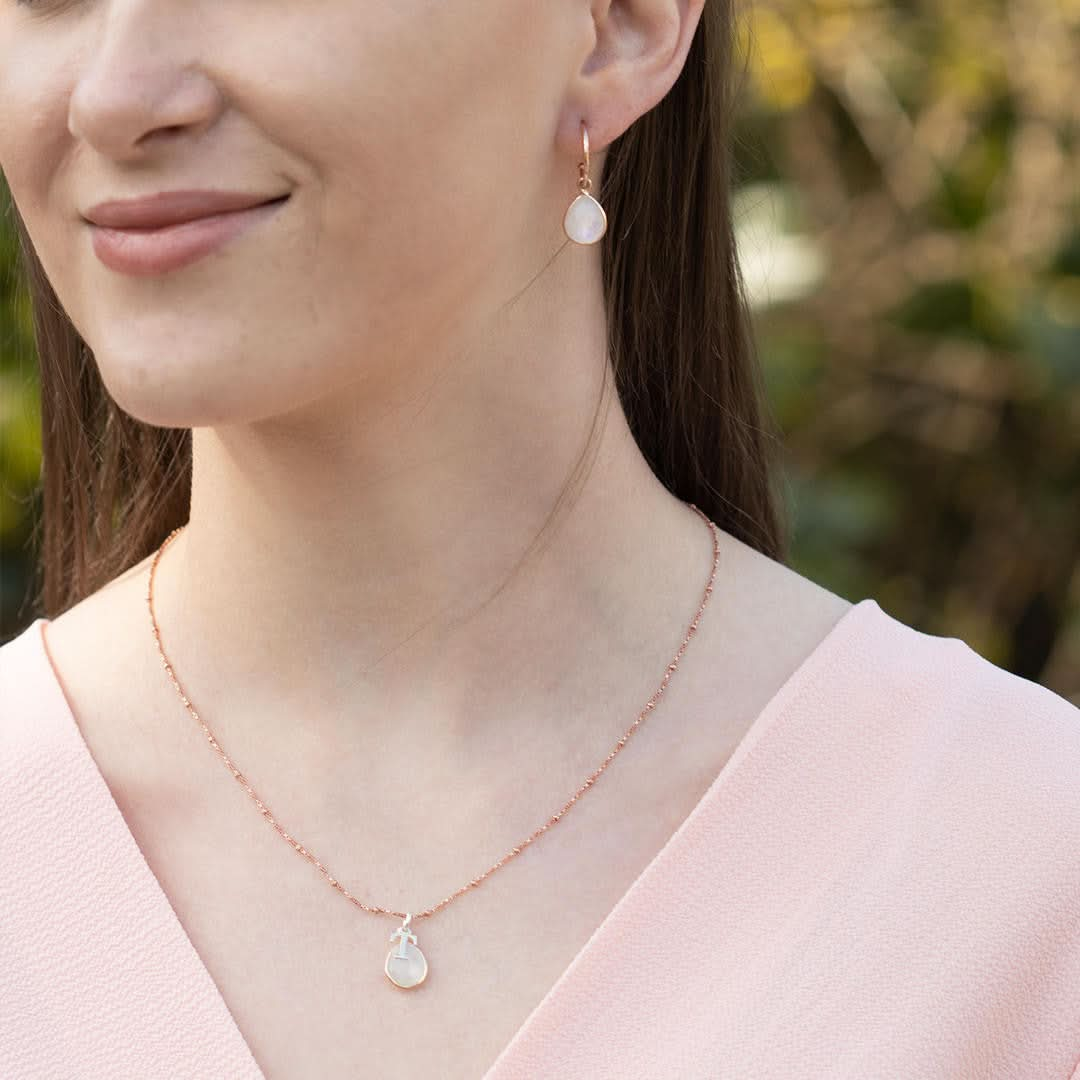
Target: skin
x,y
382,419
388,384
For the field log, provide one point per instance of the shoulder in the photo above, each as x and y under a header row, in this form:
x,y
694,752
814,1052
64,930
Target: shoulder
x,y
976,768
19,654
966,713
58,676
93,633
42,771
27,700
92,648
935,750
985,709
27,686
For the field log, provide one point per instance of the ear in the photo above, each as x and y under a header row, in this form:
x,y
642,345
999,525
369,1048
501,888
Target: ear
x,y
640,47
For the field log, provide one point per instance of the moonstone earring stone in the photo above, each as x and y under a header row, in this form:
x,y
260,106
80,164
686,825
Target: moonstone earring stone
x,y
585,221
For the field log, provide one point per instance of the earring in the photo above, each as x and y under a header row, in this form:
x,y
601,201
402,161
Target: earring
x,y
585,221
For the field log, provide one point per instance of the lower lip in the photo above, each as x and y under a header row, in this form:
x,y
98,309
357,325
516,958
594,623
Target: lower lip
x,y
157,251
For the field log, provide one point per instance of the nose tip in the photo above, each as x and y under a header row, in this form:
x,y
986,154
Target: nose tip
x,y
129,100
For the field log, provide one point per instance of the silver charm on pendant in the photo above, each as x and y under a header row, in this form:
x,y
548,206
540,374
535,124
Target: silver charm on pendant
x,y
406,965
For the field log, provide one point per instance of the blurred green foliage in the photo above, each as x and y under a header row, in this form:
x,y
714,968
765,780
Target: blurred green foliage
x,y
908,216
909,221
20,435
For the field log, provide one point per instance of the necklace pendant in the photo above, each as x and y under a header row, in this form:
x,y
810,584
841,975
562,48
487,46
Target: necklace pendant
x,y
406,965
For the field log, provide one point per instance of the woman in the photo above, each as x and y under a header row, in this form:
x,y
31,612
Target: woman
x,y
464,497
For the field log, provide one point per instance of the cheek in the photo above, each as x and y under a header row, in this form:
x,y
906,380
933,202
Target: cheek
x,y
414,117
35,146
425,156
402,133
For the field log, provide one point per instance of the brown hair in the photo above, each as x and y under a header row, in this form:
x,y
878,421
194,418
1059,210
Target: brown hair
x,y
680,340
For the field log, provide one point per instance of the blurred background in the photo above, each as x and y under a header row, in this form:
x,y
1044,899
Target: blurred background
x,y
908,218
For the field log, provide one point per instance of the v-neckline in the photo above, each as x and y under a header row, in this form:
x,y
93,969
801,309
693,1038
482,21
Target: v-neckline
x,y
774,708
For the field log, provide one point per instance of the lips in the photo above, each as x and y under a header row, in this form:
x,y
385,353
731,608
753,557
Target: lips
x,y
170,231
172,208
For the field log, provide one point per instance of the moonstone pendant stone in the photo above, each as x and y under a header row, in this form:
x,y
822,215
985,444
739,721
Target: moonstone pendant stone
x,y
406,965
585,221
406,970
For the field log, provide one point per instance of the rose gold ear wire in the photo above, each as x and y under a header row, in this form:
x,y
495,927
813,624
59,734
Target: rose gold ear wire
x,y
584,221
584,180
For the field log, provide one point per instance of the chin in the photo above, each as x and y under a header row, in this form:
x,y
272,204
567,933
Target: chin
x,y
169,393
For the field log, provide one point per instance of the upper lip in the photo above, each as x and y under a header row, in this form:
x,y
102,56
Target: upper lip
x,y
171,208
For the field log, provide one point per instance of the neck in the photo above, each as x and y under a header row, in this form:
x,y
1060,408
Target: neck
x,y
365,572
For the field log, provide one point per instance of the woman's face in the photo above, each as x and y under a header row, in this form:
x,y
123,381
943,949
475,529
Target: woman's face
x,y
428,149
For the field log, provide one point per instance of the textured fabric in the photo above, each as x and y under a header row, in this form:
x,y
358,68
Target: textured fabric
x,y
882,882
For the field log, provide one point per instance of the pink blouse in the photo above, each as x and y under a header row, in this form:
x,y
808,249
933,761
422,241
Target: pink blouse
x,y
882,883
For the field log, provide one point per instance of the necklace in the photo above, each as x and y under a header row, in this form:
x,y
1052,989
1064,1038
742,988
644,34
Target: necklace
x,y
406,966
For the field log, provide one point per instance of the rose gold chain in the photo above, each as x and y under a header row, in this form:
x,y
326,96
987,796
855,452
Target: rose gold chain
x,y
297,846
